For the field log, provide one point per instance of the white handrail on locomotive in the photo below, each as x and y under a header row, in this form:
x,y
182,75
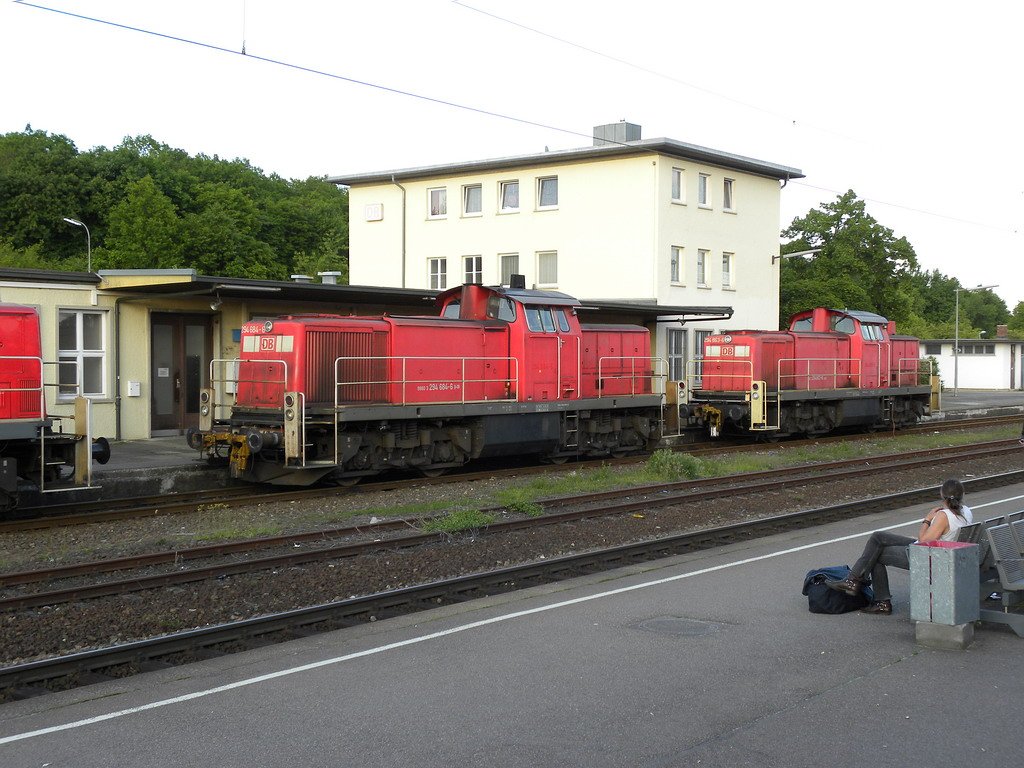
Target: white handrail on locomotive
x,y
81,403
656,369
405,382
694,382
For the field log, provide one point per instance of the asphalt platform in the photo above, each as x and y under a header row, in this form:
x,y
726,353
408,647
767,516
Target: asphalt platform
x,y
706,659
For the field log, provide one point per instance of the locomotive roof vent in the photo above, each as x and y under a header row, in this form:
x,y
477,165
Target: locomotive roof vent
x,y
517,281
302,278
329,278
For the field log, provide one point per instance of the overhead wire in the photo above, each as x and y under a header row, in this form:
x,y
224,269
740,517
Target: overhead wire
x,y
478,110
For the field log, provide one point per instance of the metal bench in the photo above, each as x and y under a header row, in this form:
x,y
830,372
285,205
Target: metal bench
x,y
1005,555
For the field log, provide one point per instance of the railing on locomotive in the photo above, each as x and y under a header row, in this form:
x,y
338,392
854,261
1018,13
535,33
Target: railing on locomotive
x,y
835,375
43,412
914,368
512,381
650,373
234,380
695,374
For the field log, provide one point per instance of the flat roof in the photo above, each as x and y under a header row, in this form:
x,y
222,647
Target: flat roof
x,y
661,146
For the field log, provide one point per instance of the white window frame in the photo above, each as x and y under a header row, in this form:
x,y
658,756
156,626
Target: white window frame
x,y
540,193
502,186
699,335
506,276
79,355
437,273
676,265
728,271
678,186
704,190
675,352
442,207
465,200
702,267
473,269
541,257
729,195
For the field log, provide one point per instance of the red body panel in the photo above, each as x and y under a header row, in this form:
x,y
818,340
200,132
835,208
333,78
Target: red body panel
x,y
20,379
863,356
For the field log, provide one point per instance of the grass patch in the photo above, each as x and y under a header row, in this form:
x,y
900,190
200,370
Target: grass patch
x,y
458,520
668,465
519,501
229,534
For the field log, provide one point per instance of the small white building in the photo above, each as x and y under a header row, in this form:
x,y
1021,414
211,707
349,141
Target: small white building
x,y
654,221
981,363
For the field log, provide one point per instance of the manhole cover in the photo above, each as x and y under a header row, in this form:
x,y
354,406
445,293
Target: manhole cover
x,y
673,625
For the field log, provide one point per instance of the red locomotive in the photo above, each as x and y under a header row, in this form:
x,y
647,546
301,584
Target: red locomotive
x,y
501,371
31,449
831,369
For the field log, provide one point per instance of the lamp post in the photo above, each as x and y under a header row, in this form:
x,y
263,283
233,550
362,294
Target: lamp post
x,y
88,240
956,331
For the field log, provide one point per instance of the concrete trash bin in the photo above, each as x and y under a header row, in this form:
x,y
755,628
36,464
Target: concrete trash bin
x,y
944,592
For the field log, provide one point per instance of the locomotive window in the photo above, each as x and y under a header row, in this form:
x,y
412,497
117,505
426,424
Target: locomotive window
x,y
842,324
501,308
451,311
872,332
563,321
547,320
803,324
533,319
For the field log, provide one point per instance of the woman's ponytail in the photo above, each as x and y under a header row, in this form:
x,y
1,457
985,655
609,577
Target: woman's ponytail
x,y
953,494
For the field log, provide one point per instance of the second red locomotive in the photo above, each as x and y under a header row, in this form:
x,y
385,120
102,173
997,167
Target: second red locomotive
x,y
502,371
831,369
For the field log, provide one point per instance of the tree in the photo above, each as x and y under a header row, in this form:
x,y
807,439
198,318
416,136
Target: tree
x,y
145,230
860,265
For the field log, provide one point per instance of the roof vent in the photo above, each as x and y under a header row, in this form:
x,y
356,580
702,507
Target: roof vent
x,y
329,278
302,278
616,133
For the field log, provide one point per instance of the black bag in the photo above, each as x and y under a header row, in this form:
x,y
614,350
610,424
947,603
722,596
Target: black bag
x,y
821,599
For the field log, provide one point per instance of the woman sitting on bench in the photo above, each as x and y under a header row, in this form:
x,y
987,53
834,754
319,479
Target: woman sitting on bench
x,y
887,548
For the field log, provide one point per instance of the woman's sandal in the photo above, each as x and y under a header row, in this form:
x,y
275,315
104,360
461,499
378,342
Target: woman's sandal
x,y
879,606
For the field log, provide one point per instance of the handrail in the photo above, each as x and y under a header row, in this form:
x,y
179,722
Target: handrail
x,y
236,380
657,367
835,374
445,384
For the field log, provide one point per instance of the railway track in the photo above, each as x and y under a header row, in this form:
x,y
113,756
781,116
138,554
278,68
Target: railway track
x,y
376,536
113,509
37,677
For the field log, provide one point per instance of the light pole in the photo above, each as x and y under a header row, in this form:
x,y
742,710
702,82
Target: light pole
x,y
956,331
88,240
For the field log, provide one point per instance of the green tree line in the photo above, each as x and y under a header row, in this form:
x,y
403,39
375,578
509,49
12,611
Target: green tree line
x,y
861,264
149,206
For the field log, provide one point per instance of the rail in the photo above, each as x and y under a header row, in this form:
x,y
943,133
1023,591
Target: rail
x,y
427,387
654,369
83,411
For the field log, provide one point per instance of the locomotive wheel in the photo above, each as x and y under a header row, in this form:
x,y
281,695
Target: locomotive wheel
x,y
432,471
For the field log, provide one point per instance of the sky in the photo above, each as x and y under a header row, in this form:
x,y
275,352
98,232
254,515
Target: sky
x,y
914,105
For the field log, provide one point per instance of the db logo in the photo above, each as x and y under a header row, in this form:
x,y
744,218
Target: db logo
x,y
728,351
267,343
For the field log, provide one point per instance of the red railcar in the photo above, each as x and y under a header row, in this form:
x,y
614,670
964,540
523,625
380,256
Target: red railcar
x,y
831,369
32,450
501,371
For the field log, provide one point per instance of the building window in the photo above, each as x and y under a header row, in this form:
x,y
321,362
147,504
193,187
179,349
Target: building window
x,y
702,262
676,342
677,185
703,191
508,194
81,352
547,268
698,356
977,349
675,269
437,270
727,270
474,269
438,200
727,194
509,264
547,192
472,200
932,349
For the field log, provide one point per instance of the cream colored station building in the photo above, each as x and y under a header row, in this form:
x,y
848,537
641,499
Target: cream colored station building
x,y
653,221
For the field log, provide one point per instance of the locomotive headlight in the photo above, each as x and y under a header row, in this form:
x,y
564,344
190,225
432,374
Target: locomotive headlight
x,y
205,410
289,414
268,327
756,395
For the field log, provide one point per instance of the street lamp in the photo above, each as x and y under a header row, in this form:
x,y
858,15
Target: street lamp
x,y
88,240
808,252
956,331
